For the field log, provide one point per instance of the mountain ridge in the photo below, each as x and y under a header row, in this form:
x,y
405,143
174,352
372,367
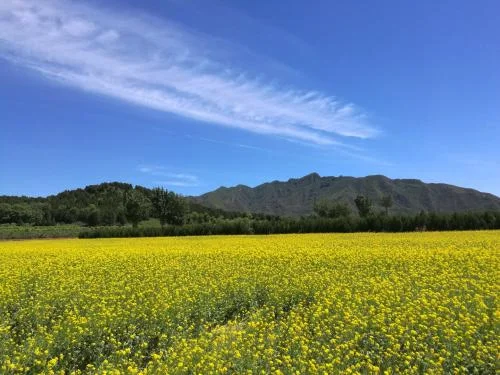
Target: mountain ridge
x,y
297,196
294,197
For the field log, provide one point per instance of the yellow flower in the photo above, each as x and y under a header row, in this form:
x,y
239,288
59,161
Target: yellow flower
x,y
292,304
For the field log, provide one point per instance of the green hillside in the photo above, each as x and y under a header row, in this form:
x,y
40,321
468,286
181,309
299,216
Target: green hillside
x,y
297,196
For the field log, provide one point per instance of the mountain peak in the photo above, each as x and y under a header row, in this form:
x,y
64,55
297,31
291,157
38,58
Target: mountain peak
x,y
311,176
307,178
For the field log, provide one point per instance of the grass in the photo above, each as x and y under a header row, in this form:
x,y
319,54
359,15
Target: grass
x,y
11,232
18,232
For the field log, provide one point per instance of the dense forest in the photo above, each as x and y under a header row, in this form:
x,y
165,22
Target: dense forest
x,y
113,203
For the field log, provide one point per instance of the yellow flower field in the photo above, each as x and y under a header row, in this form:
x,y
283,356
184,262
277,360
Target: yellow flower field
x,y
284,304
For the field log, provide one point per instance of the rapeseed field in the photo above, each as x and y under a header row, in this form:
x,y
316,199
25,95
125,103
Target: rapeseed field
x,y
285,304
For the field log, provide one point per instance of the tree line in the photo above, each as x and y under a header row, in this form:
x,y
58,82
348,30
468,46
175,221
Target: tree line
x,y
364,205
329,216
379,222
106,204
110,206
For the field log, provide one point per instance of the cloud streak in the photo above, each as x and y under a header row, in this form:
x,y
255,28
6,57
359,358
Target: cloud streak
x,y
169,178
161,65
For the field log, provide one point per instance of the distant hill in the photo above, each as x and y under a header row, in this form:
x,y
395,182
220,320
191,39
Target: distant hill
x,y
101,204
297,196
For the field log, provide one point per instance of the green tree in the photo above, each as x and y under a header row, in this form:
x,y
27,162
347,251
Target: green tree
x,y
386,202
108,215
331,210
169,207
364,205
91,215
137,207
121,218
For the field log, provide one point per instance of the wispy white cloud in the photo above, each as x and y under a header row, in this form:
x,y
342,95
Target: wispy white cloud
x,y
161,65
177,183
171,179
215,141
239,145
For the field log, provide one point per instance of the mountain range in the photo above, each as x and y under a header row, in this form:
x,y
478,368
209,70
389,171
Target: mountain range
x,y
103,204
297,196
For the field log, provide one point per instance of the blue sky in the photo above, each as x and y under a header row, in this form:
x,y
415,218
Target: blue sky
x,y
192,95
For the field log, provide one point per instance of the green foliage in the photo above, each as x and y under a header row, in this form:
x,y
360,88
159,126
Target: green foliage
x,y
199,224
15,232
325,208
23,213
386,202
91,215
97,205
364,205
169,207
311,224
137,207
